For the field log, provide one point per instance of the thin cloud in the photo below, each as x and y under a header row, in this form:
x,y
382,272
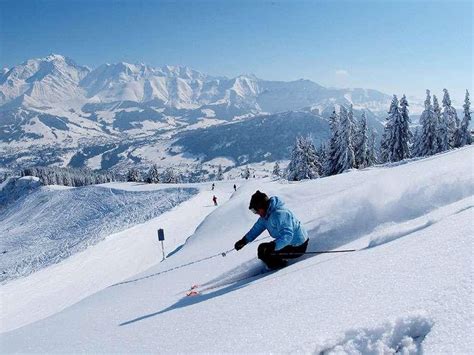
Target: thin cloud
x,y
342,72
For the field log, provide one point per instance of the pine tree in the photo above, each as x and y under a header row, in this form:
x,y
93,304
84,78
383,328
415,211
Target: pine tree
x,y
415,148
153,176
332,156
404,133
428,141
133,175
276,170
169,176
344,146
350,116
304,163
397,136
449,122
463,137
442,131
322,157
386,145
371,150
220,173
361,143
246,173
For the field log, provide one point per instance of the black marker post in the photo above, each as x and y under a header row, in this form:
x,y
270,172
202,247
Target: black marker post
x,y
161,238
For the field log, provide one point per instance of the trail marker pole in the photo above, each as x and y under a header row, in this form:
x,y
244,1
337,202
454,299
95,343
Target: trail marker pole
x,y
161,238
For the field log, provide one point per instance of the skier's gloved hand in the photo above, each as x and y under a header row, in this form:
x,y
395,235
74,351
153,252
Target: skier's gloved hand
x,y
240,243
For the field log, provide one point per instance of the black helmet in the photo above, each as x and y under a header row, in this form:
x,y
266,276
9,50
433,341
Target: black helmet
x,y
259,200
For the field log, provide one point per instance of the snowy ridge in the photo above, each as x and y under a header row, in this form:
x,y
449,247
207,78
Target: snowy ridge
x,y
50,80
56,78
406,290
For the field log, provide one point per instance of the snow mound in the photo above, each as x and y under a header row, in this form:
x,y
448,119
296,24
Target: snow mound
x,y
49,224
403,336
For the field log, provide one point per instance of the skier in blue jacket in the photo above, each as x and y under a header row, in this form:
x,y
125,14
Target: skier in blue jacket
x,y
291,239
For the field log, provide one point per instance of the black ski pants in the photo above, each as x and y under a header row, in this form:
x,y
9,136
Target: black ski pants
x,y
275,259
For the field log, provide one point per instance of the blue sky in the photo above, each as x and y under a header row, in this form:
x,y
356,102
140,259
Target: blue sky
x,y
393,46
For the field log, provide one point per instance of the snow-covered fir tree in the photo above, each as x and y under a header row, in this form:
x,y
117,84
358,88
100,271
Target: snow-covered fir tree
x,y
350,115
169,176
345,149
276,170
372,158
428,141
385,147
463,135
415,148
450,120
304,163
361,143
153,176
332,157
220,173
133,175
322,156
442,131
406,137
396,138
246,172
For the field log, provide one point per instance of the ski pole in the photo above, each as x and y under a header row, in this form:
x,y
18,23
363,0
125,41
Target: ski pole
x,y
224,253
317,252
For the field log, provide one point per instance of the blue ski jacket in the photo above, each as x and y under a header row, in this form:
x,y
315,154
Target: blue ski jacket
x,y
282,225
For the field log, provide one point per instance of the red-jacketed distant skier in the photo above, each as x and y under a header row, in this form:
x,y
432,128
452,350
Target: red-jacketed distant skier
x,y
290,236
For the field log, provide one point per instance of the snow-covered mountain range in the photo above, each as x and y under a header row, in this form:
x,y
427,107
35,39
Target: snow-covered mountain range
x,y
58,81
54,102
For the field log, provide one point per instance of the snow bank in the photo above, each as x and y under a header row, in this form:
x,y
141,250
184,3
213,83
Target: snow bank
x,y
403,336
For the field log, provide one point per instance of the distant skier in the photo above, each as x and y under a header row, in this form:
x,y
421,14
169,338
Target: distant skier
x,y
235,187
212,188
290,236
214,199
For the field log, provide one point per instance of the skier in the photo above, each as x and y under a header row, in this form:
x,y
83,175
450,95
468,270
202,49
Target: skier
x,y
214,199
212,188
290,236
235,187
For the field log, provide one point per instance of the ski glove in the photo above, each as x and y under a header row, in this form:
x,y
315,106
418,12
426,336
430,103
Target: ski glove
x,y
240,243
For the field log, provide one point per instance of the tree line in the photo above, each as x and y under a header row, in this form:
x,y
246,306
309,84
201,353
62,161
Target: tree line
x,y
68,176
351,144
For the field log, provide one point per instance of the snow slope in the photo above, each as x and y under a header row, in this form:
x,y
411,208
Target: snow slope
x,y
408,289
53,222
120,255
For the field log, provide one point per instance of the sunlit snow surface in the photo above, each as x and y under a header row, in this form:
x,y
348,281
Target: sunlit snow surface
x,y
407,290
49,224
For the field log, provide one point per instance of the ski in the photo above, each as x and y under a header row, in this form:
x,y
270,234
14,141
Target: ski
x,y
196,290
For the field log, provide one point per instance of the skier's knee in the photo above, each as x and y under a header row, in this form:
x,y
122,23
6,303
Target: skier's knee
x,y
264,250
